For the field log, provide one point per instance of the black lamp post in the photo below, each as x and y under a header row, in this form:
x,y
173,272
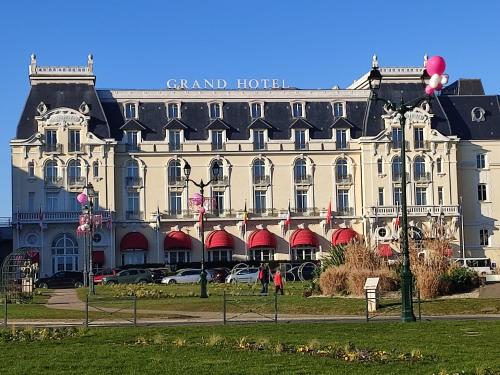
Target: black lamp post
x,y
202,185
90,211
375,80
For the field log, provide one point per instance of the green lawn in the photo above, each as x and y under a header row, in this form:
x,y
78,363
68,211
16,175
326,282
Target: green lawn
x,y
450,347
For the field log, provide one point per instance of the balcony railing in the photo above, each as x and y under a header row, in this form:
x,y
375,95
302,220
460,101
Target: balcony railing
x,y
74,147
396,145
221,181
176,180
132,181
397,177
76,181
343,179
423,177
345,211
133,215
261,180
56,216
303,179
54,181
390,211
422,145
53,148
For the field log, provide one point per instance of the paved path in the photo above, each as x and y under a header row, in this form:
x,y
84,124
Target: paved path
x,y
490,291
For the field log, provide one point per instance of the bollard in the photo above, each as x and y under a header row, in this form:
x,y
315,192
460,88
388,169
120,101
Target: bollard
x,y
224,308
276,308
86,311
135,310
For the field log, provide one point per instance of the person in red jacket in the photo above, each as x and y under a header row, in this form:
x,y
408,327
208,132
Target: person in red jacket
x,y
278,282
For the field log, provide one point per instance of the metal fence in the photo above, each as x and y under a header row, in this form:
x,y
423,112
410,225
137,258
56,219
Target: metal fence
x,y
129,307
250,307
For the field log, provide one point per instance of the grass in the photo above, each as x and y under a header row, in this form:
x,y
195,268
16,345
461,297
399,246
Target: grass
x,y
450,347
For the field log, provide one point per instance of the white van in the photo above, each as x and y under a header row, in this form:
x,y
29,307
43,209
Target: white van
x,y
481,265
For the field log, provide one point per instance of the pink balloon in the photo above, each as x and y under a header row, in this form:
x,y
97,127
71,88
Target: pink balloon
x,y
439,87
197,198
82,198
202,209
429,90
435,65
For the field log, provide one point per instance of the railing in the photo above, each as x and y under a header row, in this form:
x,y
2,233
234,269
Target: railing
x,y
133,181
74,147
76,181
54,181
55,216
224,181
176,180
422,145
133,215
396,145
343,179
303,180
423,177
53,148
345,211
397,177
390,211
262,180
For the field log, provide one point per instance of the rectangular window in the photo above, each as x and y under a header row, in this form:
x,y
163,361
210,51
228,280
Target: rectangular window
x,y
297,110
259,140
214,111
439,165
217,140
174,140
133,203
396,197
481,192
96,201
418,138
173,110
380,168
440,195
51,201
219,202
300,139
341,139
260,201
51,140
484,237
256,110
338,110
343,201
130,111
31,169
175,199
96,169
74,141
481,161
421,196
380,196
301,200
397,137
31,201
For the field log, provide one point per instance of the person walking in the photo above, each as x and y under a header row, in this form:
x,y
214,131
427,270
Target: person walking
x,y
260,277
278,282
264,277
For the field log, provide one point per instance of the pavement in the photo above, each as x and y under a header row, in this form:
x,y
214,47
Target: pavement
x,y
490,291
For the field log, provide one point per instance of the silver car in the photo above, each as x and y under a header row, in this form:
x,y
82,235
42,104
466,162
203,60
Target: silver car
x,y
245,275
184,276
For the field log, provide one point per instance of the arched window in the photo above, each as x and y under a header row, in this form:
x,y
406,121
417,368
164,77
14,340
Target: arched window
x,y
396,168
258,171
221,169
174,171
341,169
64,253
51,171
300,171
74,171
419,166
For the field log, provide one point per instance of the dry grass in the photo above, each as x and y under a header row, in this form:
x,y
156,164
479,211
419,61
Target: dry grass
x,y
333,280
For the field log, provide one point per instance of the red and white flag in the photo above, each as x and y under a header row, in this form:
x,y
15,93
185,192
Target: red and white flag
x,y
329,213
397,224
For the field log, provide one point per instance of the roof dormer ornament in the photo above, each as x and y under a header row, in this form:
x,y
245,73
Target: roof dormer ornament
x,y
477,114
84,108
374,61
90,62
426,57
41,108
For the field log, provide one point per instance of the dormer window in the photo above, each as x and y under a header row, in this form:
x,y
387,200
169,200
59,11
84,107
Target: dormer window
x,y
215,111
173,111
338,110
297,110
256,110
130,110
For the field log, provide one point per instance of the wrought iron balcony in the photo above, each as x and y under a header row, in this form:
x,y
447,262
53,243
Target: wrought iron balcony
x,y
76,181
303,179
423,177
262,180
56,216
53,148
221,181
75,147
345,211
391,211
54,181
421,145
396,145
132,181
176,180
133,215
343,179
397,177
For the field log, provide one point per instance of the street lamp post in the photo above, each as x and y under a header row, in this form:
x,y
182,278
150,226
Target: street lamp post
x,y
202,185
375,80
91,195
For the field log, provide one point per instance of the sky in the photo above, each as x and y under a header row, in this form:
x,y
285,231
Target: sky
x,y
309,44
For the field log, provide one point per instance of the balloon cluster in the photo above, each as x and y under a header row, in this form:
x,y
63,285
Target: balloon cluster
x,y
82,198
435,68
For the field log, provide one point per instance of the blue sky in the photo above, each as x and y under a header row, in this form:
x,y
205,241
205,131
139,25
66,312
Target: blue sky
x,y
310,44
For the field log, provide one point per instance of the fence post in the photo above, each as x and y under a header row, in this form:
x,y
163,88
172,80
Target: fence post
x,y
275,308
419,310
224,308
135,310
87,310
366,305
5,311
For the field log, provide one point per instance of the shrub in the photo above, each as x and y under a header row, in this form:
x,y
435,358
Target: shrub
x,y
333,280
357,277
459,279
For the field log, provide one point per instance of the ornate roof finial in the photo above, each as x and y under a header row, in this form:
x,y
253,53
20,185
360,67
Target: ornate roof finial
x,y
374,61
90,62
426,57
33,58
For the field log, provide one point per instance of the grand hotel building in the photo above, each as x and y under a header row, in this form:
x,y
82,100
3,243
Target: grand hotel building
x,y
276,148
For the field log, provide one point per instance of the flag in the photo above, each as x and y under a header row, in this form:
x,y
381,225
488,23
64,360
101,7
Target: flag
x,y
200,214
397,223
158,218
245,214
288,219
329,213
40,217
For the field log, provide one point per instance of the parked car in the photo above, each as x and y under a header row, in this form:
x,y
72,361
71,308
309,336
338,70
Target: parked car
x,y
219,274
188,275
481,265
61,279
130,276
244,275
99,275
159,274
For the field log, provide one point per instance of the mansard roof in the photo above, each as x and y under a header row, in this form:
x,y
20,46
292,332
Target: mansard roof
x,y
217,124
175,123
132,124
259,123
56,95
300,123
341,123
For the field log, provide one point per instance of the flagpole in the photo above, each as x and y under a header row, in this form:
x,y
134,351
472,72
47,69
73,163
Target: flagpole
x,y
289,221
42,239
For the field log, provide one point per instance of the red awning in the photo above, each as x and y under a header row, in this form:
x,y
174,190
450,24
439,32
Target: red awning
x,y
177,240
134,241
303,237
98,256
384,250
343,236
261,238
219,239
